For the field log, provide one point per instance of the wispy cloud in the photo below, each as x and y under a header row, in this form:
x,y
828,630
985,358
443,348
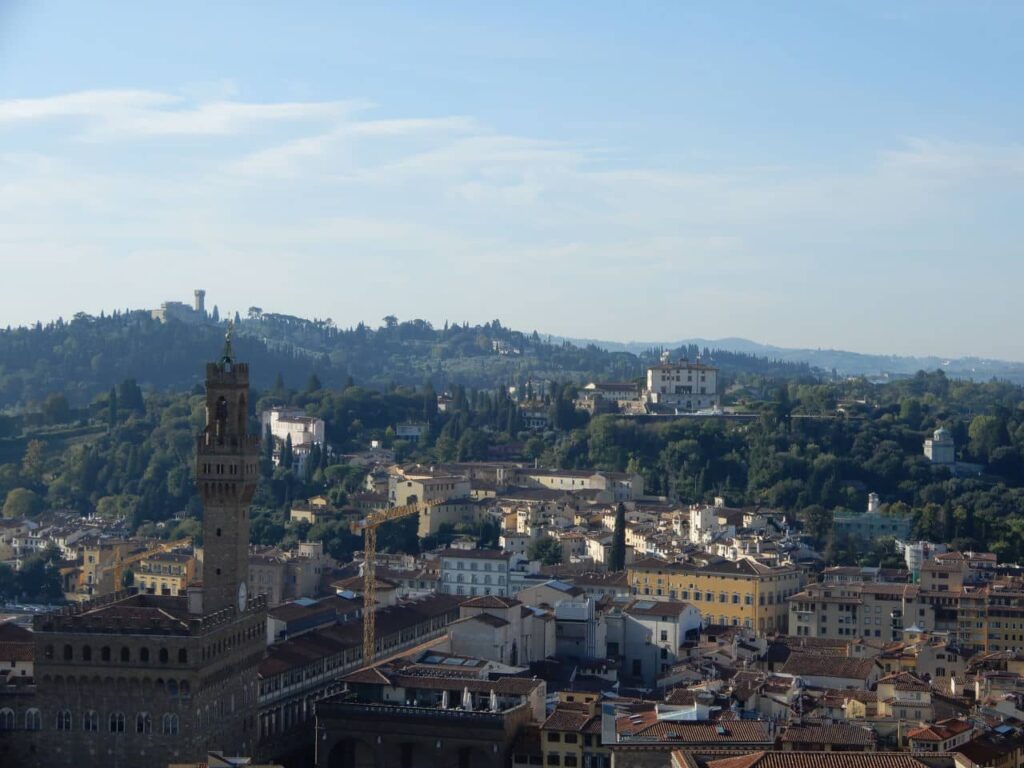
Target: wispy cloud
x,y
383,201
331,152
951,160
119,114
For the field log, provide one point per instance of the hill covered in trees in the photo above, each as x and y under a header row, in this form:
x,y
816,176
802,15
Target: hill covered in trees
x,y
101,414
86,356
812,448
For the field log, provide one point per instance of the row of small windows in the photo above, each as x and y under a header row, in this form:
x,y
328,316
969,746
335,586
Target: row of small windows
x,y
461,579
227,643
65,721
473,565
172,687
230,469
723,597
106,654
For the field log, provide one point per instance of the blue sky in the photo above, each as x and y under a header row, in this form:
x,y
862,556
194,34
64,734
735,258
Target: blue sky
x,y
805,174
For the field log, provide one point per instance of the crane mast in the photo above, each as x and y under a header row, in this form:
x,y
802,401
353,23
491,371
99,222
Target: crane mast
x,y
368,527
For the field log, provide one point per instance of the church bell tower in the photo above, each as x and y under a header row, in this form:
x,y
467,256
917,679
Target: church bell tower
x,y
227,472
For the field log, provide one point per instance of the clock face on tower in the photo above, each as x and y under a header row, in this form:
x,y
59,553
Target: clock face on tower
x,y
242,596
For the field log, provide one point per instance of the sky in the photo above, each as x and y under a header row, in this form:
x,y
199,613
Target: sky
x,y
841,175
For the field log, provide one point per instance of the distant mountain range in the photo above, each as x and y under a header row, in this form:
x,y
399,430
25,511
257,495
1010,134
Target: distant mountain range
x,y
842,362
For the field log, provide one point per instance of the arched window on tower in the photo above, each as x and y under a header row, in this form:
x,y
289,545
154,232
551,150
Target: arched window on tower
x,y
143,723
170,724
33,720
64,720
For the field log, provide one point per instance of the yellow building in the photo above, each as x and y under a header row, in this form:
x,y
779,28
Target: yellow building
x,y
99,567
315,510
571,735
737,593
165,573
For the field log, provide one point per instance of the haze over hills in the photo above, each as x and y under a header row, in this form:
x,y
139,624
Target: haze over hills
x,y
843,362
84,357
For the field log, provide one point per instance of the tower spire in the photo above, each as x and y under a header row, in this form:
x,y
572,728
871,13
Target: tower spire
x,y
226,359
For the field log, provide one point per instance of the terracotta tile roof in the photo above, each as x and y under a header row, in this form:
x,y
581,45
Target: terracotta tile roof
x,y
12,633
904,681
810,664
828,733
293,611
654,564
797,759
649,607
15,650
563,719
984,751
647,726
488,619
940,731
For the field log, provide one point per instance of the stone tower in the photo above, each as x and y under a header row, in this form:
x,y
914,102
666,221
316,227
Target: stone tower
x,y
200,303
137,680
227,471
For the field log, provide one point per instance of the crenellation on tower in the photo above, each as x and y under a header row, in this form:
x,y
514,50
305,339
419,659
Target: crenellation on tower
x,y
183,666
227,473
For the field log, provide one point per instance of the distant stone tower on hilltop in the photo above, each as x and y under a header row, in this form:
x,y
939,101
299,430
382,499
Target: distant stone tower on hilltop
x,y
200,305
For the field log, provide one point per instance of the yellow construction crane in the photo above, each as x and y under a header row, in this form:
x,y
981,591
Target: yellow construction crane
x,y
368,527
118,566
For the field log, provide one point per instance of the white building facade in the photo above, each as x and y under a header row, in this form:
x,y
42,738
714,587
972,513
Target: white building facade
x,y
683,385
475,572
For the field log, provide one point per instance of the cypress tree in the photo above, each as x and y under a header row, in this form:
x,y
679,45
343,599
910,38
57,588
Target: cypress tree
x,y
112,409
618,554
286,454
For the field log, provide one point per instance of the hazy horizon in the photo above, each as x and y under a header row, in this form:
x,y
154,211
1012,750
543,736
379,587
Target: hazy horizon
x,y
545,333
804,176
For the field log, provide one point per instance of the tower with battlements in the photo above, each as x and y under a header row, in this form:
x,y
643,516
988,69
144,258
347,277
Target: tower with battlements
x,y
227,472
141,680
